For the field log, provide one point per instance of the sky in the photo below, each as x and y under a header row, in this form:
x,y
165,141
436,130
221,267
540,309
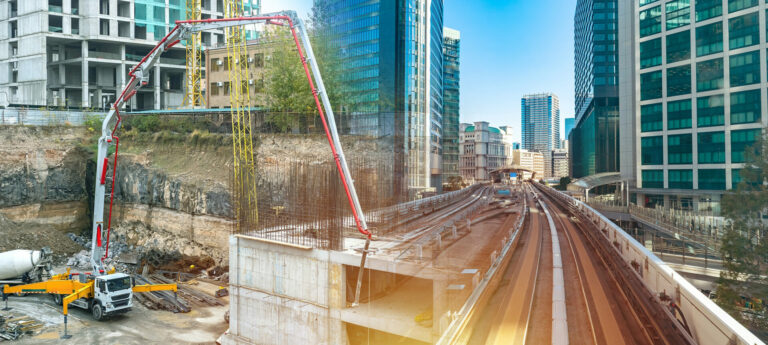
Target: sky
x,y
509,48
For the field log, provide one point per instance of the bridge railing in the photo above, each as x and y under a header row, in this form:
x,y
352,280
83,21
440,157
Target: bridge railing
x,y
693,227
708,323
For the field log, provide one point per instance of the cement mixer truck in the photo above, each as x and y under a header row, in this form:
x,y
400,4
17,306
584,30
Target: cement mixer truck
x,y
23,266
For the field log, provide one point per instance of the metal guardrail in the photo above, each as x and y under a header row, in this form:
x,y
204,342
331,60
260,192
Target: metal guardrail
x,y
42,117
705,230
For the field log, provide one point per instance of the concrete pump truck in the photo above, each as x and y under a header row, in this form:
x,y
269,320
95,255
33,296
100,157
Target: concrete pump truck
x,y
103,291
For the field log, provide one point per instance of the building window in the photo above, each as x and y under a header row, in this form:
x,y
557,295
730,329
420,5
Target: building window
x,y
712,179
645,2
737,5
709,39
745,68
650,85
653,179
678,13
679,46
745,107
743,31
650,21
650,53
711,147
652,150
680,149
736,178
681,179
706,9
679,114
709,75
742,140
651,118
710,111
679,80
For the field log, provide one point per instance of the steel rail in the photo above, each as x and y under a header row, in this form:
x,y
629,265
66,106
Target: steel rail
x,y
650,311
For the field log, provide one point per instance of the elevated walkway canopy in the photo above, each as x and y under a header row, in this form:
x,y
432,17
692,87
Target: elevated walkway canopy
x,y
583,185
495,174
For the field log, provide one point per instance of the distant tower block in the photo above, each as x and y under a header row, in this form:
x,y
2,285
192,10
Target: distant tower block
x,y
194,94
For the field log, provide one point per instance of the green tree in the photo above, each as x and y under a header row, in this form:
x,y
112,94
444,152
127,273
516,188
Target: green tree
x,y
289,97
744,249
563,185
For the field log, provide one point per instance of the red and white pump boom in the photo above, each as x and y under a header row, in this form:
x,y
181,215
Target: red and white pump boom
x,y
139,76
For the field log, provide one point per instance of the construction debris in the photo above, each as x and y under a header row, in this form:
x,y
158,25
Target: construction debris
x,y
189,292
160,299
13,328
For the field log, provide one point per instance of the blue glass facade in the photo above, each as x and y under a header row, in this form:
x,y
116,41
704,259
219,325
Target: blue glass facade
x,y
594,146
569,124
451,105
540,115
392,66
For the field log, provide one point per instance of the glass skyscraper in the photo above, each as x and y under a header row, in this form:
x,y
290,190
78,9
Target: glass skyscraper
x,y
700,97
451,106
392,66
594,146
540,117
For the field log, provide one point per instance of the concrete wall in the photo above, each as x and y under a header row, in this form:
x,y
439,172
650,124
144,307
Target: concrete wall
x,y
283,295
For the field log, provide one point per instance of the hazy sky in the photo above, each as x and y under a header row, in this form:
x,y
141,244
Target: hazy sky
x,y
509,48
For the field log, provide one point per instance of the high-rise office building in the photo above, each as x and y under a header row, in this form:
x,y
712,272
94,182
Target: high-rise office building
x,y
699,99
77,53
594,139
540,117
451,105
569,124
392,64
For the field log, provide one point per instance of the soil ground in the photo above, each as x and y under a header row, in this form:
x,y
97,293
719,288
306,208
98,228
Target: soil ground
x,y
203,325
34,237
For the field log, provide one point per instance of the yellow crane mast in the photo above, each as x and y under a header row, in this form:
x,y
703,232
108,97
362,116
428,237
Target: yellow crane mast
x,y
194,95
244,165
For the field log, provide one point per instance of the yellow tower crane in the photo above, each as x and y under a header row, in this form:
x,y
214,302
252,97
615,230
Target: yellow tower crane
x,y
194,95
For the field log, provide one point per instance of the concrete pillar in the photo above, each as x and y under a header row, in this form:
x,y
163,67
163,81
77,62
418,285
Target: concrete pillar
x,y
85,99
439,308
157,87
62,78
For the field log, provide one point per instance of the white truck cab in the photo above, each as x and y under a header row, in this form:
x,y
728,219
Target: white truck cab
x,y
112,294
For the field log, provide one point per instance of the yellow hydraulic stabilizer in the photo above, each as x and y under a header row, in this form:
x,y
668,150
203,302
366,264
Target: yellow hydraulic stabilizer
x,y
155,287
244,166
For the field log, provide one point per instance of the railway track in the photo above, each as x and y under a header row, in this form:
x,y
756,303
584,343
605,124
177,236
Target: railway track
x,y
415,227
617,305
513,305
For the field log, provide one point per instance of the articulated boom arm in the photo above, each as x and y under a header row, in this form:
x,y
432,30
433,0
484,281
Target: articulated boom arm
x,y
139,76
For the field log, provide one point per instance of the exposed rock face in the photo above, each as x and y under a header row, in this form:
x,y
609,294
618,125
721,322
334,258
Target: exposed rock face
x,y
139,184
170,213
41,175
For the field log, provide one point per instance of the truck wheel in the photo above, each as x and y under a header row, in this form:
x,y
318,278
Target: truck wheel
x,y
97,311
57,299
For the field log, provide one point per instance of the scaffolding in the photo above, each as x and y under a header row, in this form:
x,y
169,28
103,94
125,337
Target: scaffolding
x,y
194,94
244,165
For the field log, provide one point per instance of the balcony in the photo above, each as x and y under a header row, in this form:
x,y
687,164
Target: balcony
x,y
55,8
52,28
